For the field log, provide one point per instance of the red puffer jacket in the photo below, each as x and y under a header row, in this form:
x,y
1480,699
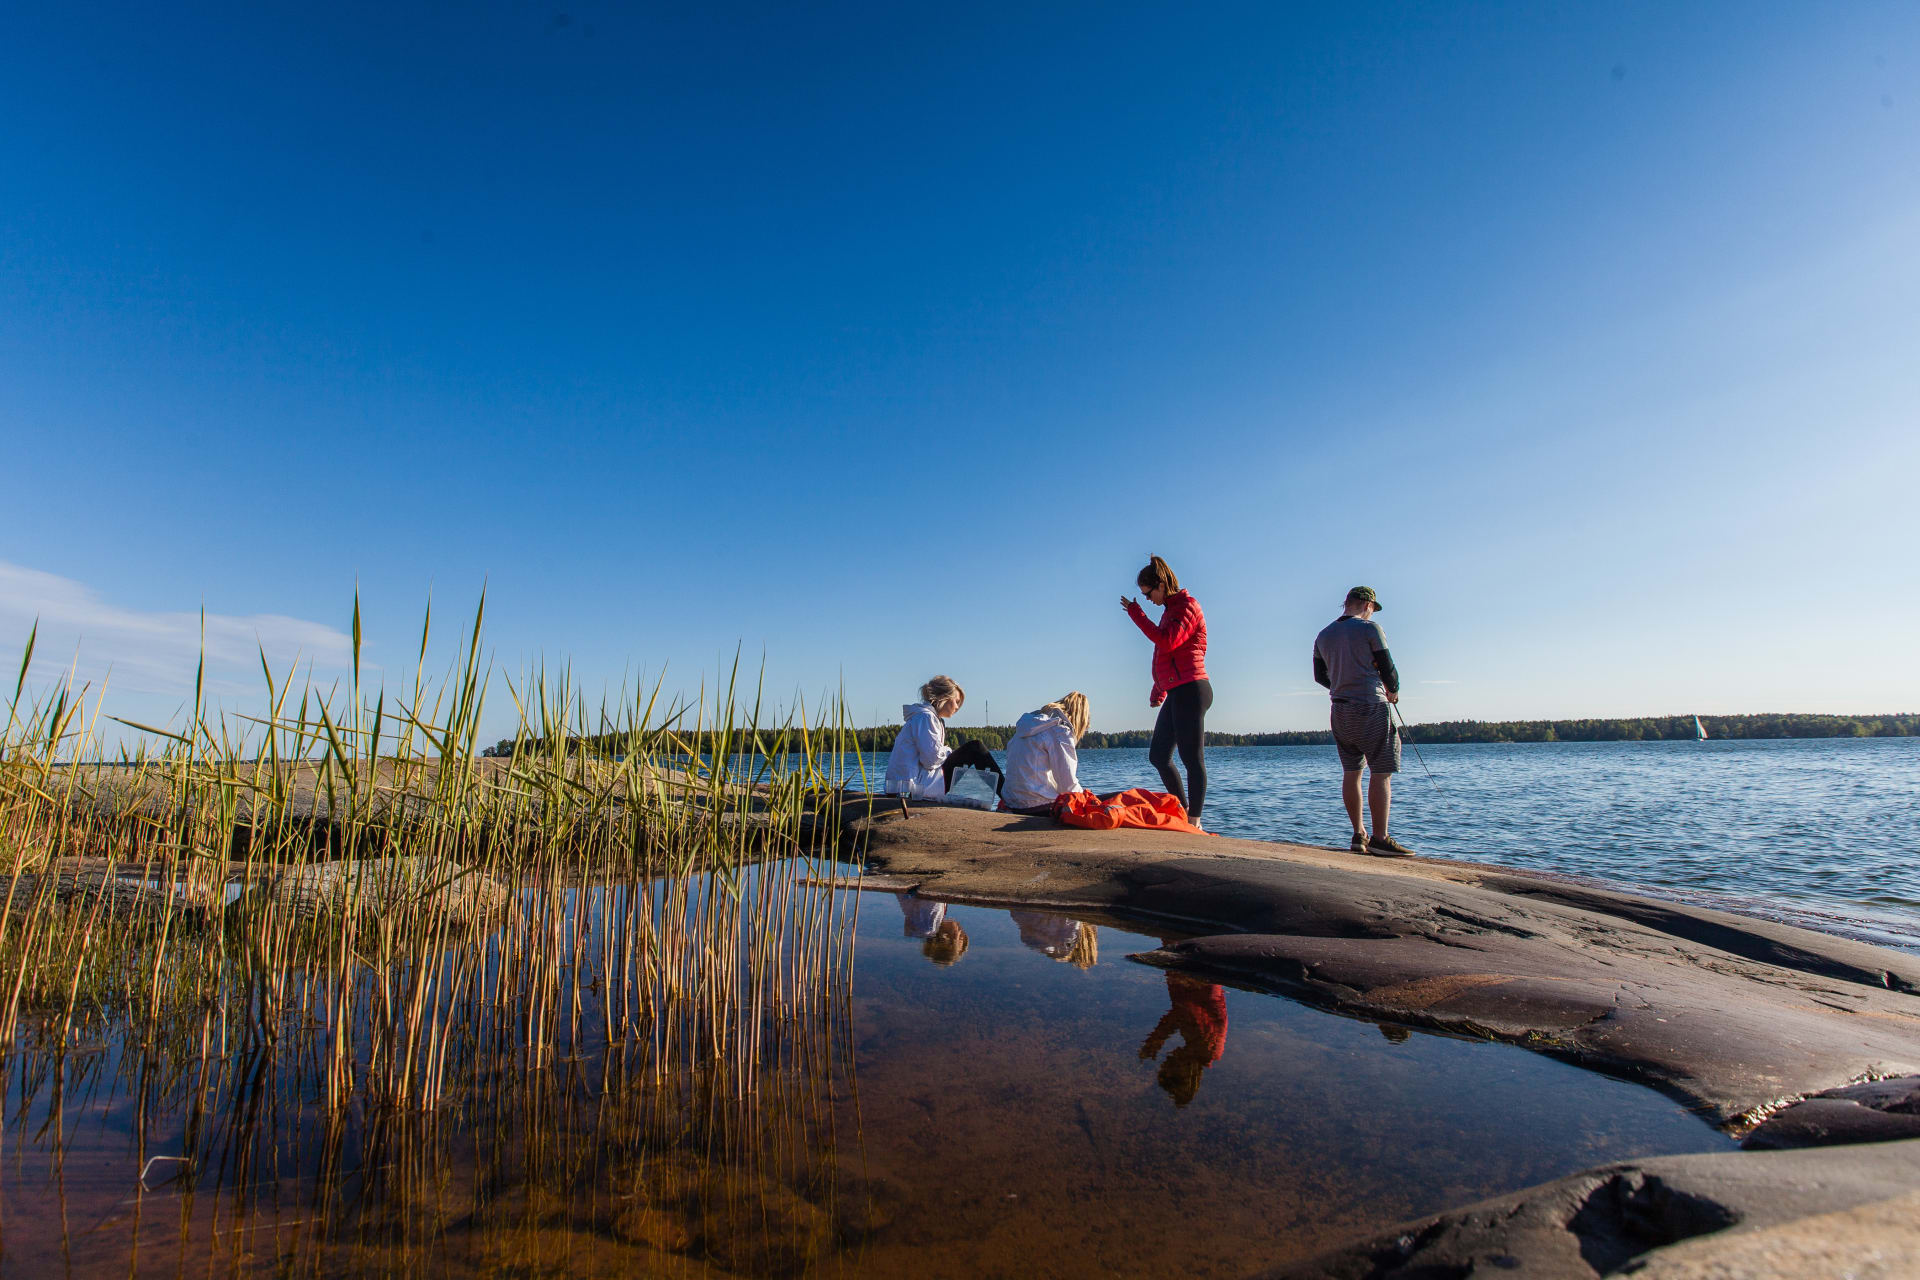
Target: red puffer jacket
x,y
1179,643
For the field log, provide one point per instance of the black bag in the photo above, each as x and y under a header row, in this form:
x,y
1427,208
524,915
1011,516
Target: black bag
x,y
972,753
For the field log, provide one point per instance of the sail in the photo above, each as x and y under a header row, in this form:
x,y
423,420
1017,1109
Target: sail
x,y
1699,730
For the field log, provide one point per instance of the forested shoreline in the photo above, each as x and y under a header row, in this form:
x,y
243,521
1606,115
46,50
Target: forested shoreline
x,y
879,738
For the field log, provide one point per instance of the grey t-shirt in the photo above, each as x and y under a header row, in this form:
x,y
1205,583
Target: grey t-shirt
x,y
1347,646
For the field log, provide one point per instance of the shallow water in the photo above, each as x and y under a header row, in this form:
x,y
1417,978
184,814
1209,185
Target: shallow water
x,y
1002,1095
1047,1118
1820,832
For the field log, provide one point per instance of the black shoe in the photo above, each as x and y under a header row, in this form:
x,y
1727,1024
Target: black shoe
x,y
1388,847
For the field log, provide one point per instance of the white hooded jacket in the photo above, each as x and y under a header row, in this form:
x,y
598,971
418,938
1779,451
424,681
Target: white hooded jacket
x,y
913,769
1041,761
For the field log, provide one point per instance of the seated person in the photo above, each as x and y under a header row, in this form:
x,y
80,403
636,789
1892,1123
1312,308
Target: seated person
x,y
1072,942
913,768
1043,760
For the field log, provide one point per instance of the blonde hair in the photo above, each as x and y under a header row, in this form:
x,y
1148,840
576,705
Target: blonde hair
x,y
1157,574
939,689
947,945
1074,707
1086,948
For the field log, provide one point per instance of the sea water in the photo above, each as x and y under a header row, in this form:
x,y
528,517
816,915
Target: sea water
x,y
1821,832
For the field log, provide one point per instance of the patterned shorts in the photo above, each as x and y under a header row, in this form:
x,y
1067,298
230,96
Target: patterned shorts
x,y
1364,734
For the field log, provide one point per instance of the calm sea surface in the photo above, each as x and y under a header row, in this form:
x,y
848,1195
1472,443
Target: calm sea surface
x,y
1823,832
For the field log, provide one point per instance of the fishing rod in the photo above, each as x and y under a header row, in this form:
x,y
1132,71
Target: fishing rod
x,y
1405,729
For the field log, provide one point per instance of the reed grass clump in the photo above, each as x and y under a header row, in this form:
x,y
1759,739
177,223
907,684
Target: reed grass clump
x,y
485,1010
344,880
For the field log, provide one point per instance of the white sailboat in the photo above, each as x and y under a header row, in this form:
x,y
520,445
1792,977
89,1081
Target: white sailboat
x,y
1699,730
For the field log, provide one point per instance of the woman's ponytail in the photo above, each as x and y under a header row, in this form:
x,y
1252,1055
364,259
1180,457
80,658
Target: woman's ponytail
x,y
1157,576
1075,710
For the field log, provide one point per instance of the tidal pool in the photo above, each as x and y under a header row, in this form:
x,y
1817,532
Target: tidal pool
x,y
998,1093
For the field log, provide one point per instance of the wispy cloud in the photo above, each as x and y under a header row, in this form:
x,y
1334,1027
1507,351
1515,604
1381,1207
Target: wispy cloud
x,y
154,652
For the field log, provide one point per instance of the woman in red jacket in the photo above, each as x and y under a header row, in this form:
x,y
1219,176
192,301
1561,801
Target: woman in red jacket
x,y
1180,686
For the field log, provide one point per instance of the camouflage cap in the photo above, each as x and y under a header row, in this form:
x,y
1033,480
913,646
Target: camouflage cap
x,y
1365,596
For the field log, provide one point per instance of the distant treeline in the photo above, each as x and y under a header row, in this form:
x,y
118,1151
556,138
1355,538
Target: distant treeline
x,y
1639,729
1655,728
879,739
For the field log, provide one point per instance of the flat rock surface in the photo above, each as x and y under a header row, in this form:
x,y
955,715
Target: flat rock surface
x,y
1874,1111
1737,1016
1745,1215
1878,1241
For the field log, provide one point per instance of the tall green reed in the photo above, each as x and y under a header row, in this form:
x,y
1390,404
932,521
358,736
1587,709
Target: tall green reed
x,y
343,877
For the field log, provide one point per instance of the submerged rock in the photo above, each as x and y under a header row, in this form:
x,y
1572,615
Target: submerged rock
x,y
859,1205
655,1226
757,1226
746,1222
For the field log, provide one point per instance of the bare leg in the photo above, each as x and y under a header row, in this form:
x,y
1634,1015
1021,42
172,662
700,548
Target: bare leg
x,y
1379,799
1350,796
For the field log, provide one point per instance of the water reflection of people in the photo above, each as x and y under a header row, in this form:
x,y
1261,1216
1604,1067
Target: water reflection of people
x,y
942,941
1199,1014
1071,942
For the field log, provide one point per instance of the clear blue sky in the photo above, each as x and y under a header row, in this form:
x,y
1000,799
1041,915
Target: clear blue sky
x,y
889,340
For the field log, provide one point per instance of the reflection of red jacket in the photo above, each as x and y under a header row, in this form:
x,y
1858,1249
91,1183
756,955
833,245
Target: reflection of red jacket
x,y
1179,642
1198,1013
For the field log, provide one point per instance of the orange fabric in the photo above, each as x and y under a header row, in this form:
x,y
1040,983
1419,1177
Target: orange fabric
x,y
1135,807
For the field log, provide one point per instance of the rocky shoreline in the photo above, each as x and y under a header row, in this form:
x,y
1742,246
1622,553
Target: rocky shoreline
x,y
1782,1036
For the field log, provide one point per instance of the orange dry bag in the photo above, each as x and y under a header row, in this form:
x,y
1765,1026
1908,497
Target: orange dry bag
x,y
1134,807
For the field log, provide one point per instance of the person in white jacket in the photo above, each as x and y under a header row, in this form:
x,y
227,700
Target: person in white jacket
x,y
913,768
1043,760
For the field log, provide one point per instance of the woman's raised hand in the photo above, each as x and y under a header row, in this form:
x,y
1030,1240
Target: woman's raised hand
x,y
1125,603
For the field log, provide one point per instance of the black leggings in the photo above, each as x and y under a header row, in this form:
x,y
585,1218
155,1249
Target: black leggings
x,y
973,753
1183,724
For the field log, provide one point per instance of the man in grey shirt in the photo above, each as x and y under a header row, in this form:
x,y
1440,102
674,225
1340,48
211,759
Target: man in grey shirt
x,y
1350,658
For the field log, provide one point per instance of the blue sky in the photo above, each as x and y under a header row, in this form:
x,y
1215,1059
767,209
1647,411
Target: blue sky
x,y
883,343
